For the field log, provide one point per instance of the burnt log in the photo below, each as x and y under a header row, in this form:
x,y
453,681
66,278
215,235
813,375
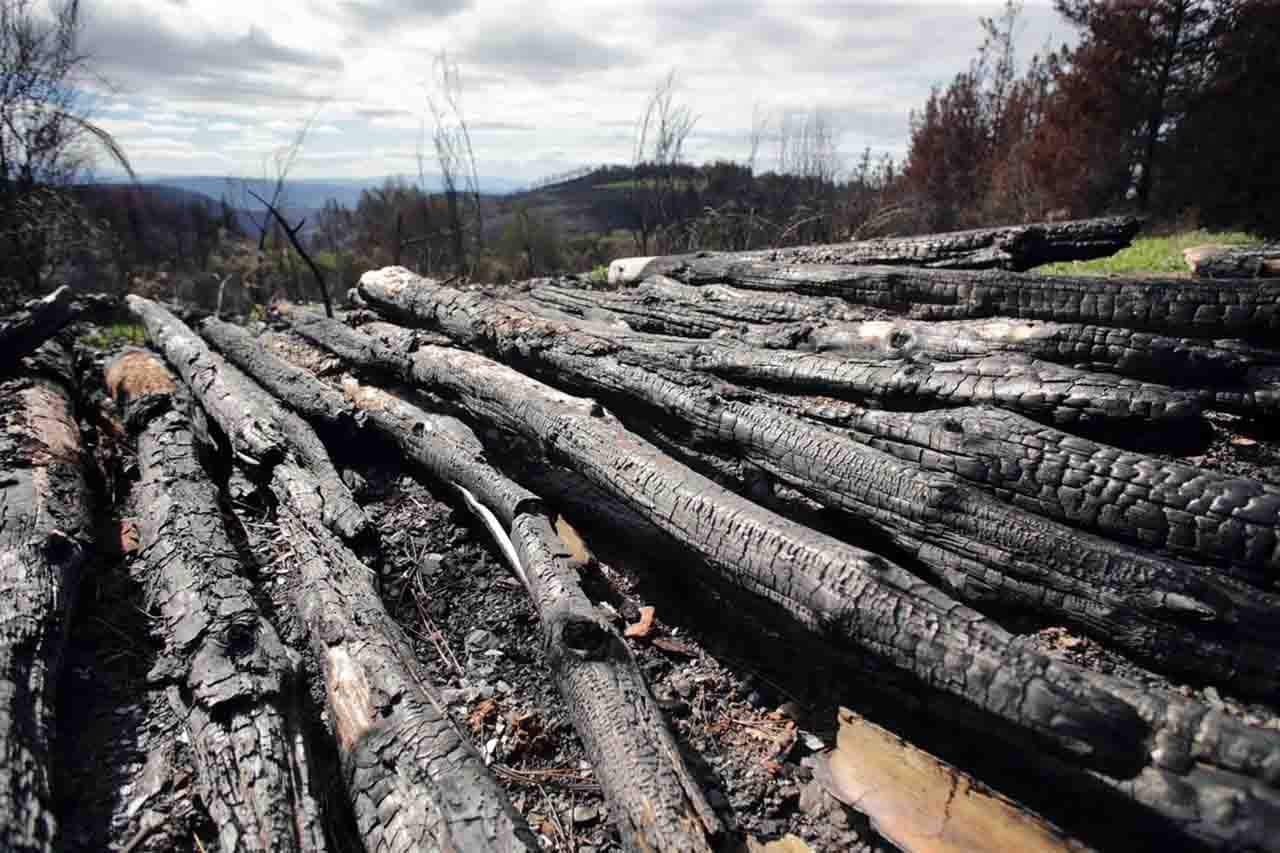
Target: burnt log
x,y
231,679
22,331
1169,306
655,801
260,430
413,780
1013,247
1180,617
1191,512
1234,261
826,585
45,529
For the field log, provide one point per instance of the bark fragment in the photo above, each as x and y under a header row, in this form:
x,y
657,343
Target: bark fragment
x,y
230,676
44,532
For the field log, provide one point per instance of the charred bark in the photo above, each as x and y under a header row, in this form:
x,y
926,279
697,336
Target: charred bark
x,y
261,431
231,679
44,531
1014,247
24,330
826,583
1182,618
1236,262
1187,511
414,781
1199,309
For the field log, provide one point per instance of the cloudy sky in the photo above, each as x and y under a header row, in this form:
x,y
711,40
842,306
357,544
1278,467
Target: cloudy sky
x,y
214,86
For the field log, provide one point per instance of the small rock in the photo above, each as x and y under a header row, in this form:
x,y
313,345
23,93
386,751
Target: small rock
x,y
353,480
504,688
431,565
481,640
682,685
1213,698
585,814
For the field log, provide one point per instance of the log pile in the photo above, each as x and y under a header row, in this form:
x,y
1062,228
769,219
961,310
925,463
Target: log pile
x,y
897,464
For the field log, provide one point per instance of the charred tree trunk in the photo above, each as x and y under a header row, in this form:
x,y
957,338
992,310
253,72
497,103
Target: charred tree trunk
x,y
415,783
1014,247
1188,511
229,675
1199,309
840,589
44,531
1183,618
24,330
1235,262
656,802
821,325
261,431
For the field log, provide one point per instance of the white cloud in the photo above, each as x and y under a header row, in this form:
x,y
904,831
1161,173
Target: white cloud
x,y
545,88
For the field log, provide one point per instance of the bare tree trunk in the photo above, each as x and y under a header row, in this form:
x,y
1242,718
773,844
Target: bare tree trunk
x,y
229,675
44,530
24,330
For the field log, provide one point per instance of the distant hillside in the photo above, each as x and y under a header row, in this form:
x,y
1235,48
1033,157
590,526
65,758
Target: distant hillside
x,y
307,193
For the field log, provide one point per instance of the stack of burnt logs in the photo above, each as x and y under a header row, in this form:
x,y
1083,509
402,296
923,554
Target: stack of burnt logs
x,y
896,448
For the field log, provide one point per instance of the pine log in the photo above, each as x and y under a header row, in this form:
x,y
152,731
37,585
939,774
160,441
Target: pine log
x,y
1234,261
260,430
45,526
1185,510
1184,618
1013,247
779,560
1169,306
230,677
414,781
655,801
22,331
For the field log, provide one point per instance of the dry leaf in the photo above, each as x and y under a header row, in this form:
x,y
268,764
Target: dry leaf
x,y
483,713
578,550
644,627
1242,441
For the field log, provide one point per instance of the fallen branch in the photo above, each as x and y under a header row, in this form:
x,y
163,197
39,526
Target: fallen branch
x,y
227,669
44,530
1013,247
1234,261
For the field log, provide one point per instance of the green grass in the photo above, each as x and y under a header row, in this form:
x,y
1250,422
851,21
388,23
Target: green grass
x,y
116,335
1148,255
